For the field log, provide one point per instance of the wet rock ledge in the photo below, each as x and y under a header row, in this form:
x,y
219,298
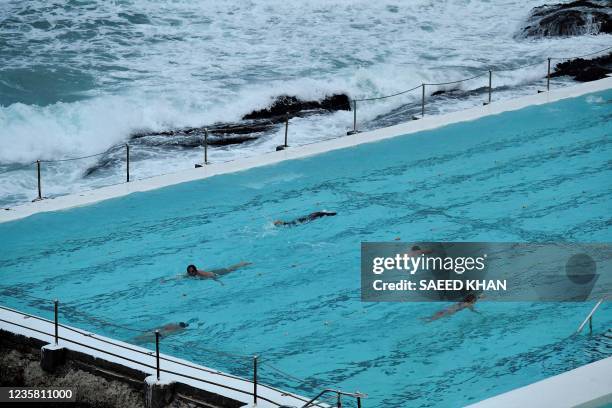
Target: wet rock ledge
x,y
584,70
261,120
569,19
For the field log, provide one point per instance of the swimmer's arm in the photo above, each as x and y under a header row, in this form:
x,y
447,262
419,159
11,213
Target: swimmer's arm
x,y
216,279
176,277
473,309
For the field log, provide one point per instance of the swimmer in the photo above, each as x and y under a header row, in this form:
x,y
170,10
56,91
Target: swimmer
x,y
310,217
172,328
467,303
416,251
164,331
214,274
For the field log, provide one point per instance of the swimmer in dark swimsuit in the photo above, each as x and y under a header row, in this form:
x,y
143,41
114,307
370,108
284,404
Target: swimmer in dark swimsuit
x,y
214,274
310,217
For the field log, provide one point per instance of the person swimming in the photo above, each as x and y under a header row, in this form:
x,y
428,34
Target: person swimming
x,y
307,218
214,274
172,328
416,250
467,303
165,330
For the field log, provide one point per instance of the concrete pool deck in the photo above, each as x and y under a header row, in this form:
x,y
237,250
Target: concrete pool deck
x,y
142,359
588,386
427,123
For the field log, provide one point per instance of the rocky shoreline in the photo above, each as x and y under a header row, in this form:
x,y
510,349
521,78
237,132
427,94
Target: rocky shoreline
x,y
584,70
568,19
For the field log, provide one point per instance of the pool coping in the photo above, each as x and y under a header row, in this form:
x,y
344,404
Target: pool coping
x,y
588,386
213,169
32,327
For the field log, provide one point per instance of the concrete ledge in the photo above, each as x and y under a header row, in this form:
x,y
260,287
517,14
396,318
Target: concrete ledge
x,y
158,394
589,386
427,123
51,357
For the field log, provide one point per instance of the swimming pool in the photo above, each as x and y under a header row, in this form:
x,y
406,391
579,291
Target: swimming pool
x,y
539,174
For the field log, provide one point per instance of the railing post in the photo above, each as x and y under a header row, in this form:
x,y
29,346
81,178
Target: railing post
x,y
423,102
205,145
591,324
55,303
358,402
354,116
548,77
286,128
254,380
127,163
490,84
39,183
157,352
339,404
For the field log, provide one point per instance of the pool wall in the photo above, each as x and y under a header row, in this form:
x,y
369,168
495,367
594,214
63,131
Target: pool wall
x,y
427,123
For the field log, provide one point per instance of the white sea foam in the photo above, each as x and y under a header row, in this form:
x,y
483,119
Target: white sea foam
x,y
121,67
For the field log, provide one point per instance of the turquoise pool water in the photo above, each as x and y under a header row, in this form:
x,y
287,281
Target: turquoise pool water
x,y
540,174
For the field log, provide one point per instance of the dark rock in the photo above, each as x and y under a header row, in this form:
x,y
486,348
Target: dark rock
x,y
449,91
216,129
592,74
567,19
294,106
585,70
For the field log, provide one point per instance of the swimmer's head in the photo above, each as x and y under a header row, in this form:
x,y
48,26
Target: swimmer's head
x,y
471,298
183,324
416,248
192,270
278,222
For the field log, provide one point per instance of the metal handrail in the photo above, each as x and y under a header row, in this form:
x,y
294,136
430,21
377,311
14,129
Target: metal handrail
x,y
589,317
339,394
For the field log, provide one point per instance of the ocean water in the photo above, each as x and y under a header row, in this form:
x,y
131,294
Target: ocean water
x,y
79,76
534,175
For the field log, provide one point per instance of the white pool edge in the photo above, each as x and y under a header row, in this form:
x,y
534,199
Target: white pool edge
x,y
427,123
588,386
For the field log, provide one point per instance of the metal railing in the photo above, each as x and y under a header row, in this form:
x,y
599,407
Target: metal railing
x,y
589,318
158,368
489,86
354,103
39,162
356,395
